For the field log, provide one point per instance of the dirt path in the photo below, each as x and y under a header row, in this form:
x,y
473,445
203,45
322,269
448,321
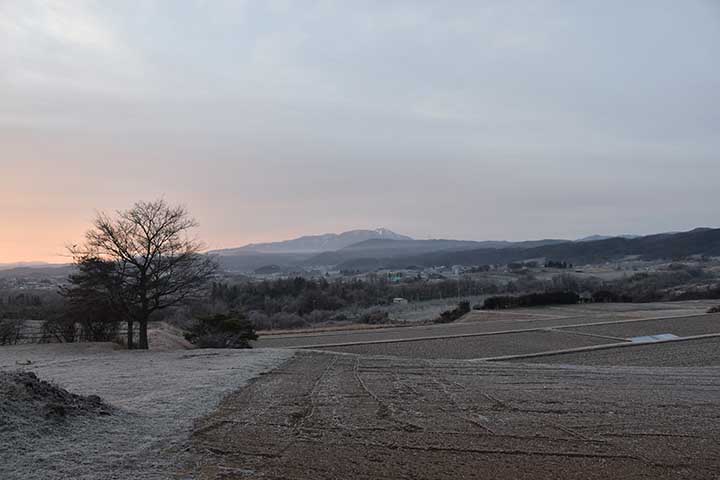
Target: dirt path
x,y
328,416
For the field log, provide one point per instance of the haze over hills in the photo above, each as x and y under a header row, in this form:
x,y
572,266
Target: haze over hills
x,y
381,248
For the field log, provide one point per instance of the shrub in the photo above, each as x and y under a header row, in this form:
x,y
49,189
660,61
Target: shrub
x,y
531,300
452,315
287,320
259,320
60,327
318,316
375,317
10,331
222,331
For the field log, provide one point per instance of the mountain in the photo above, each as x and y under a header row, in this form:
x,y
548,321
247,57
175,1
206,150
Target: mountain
x,y
701,241
315,243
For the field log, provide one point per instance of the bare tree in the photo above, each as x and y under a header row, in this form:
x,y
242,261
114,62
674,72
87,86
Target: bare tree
x,y
155,263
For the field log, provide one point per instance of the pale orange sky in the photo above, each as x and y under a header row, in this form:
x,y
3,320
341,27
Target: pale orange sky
x,y
269,120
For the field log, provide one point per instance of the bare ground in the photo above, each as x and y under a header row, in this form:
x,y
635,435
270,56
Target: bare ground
x,y
324,415
156,396
480,321
476,346
338,416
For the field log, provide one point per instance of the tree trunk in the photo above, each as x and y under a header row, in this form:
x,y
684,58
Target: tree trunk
x,y
130,335
143,338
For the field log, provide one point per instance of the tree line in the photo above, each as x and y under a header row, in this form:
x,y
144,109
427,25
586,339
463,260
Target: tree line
x,y
302,296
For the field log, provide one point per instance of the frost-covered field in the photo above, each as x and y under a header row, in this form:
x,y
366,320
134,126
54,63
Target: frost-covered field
x,y
158,395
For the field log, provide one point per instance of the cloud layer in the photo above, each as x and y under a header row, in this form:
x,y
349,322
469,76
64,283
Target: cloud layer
x,y
479,120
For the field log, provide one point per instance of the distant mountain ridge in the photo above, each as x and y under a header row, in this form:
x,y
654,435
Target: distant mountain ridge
x,y
373,249
700,241
314,243
9,266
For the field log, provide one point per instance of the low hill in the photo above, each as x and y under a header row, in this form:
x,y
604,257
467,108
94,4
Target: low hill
x,y
250,261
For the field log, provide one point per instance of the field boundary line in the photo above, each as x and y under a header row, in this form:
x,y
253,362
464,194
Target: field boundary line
x,y
557,329
458,323
584,334
593,348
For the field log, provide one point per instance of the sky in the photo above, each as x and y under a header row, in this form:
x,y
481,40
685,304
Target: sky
x,y
273,119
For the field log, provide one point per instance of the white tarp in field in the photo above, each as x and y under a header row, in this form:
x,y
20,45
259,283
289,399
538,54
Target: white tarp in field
x,y
653,338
